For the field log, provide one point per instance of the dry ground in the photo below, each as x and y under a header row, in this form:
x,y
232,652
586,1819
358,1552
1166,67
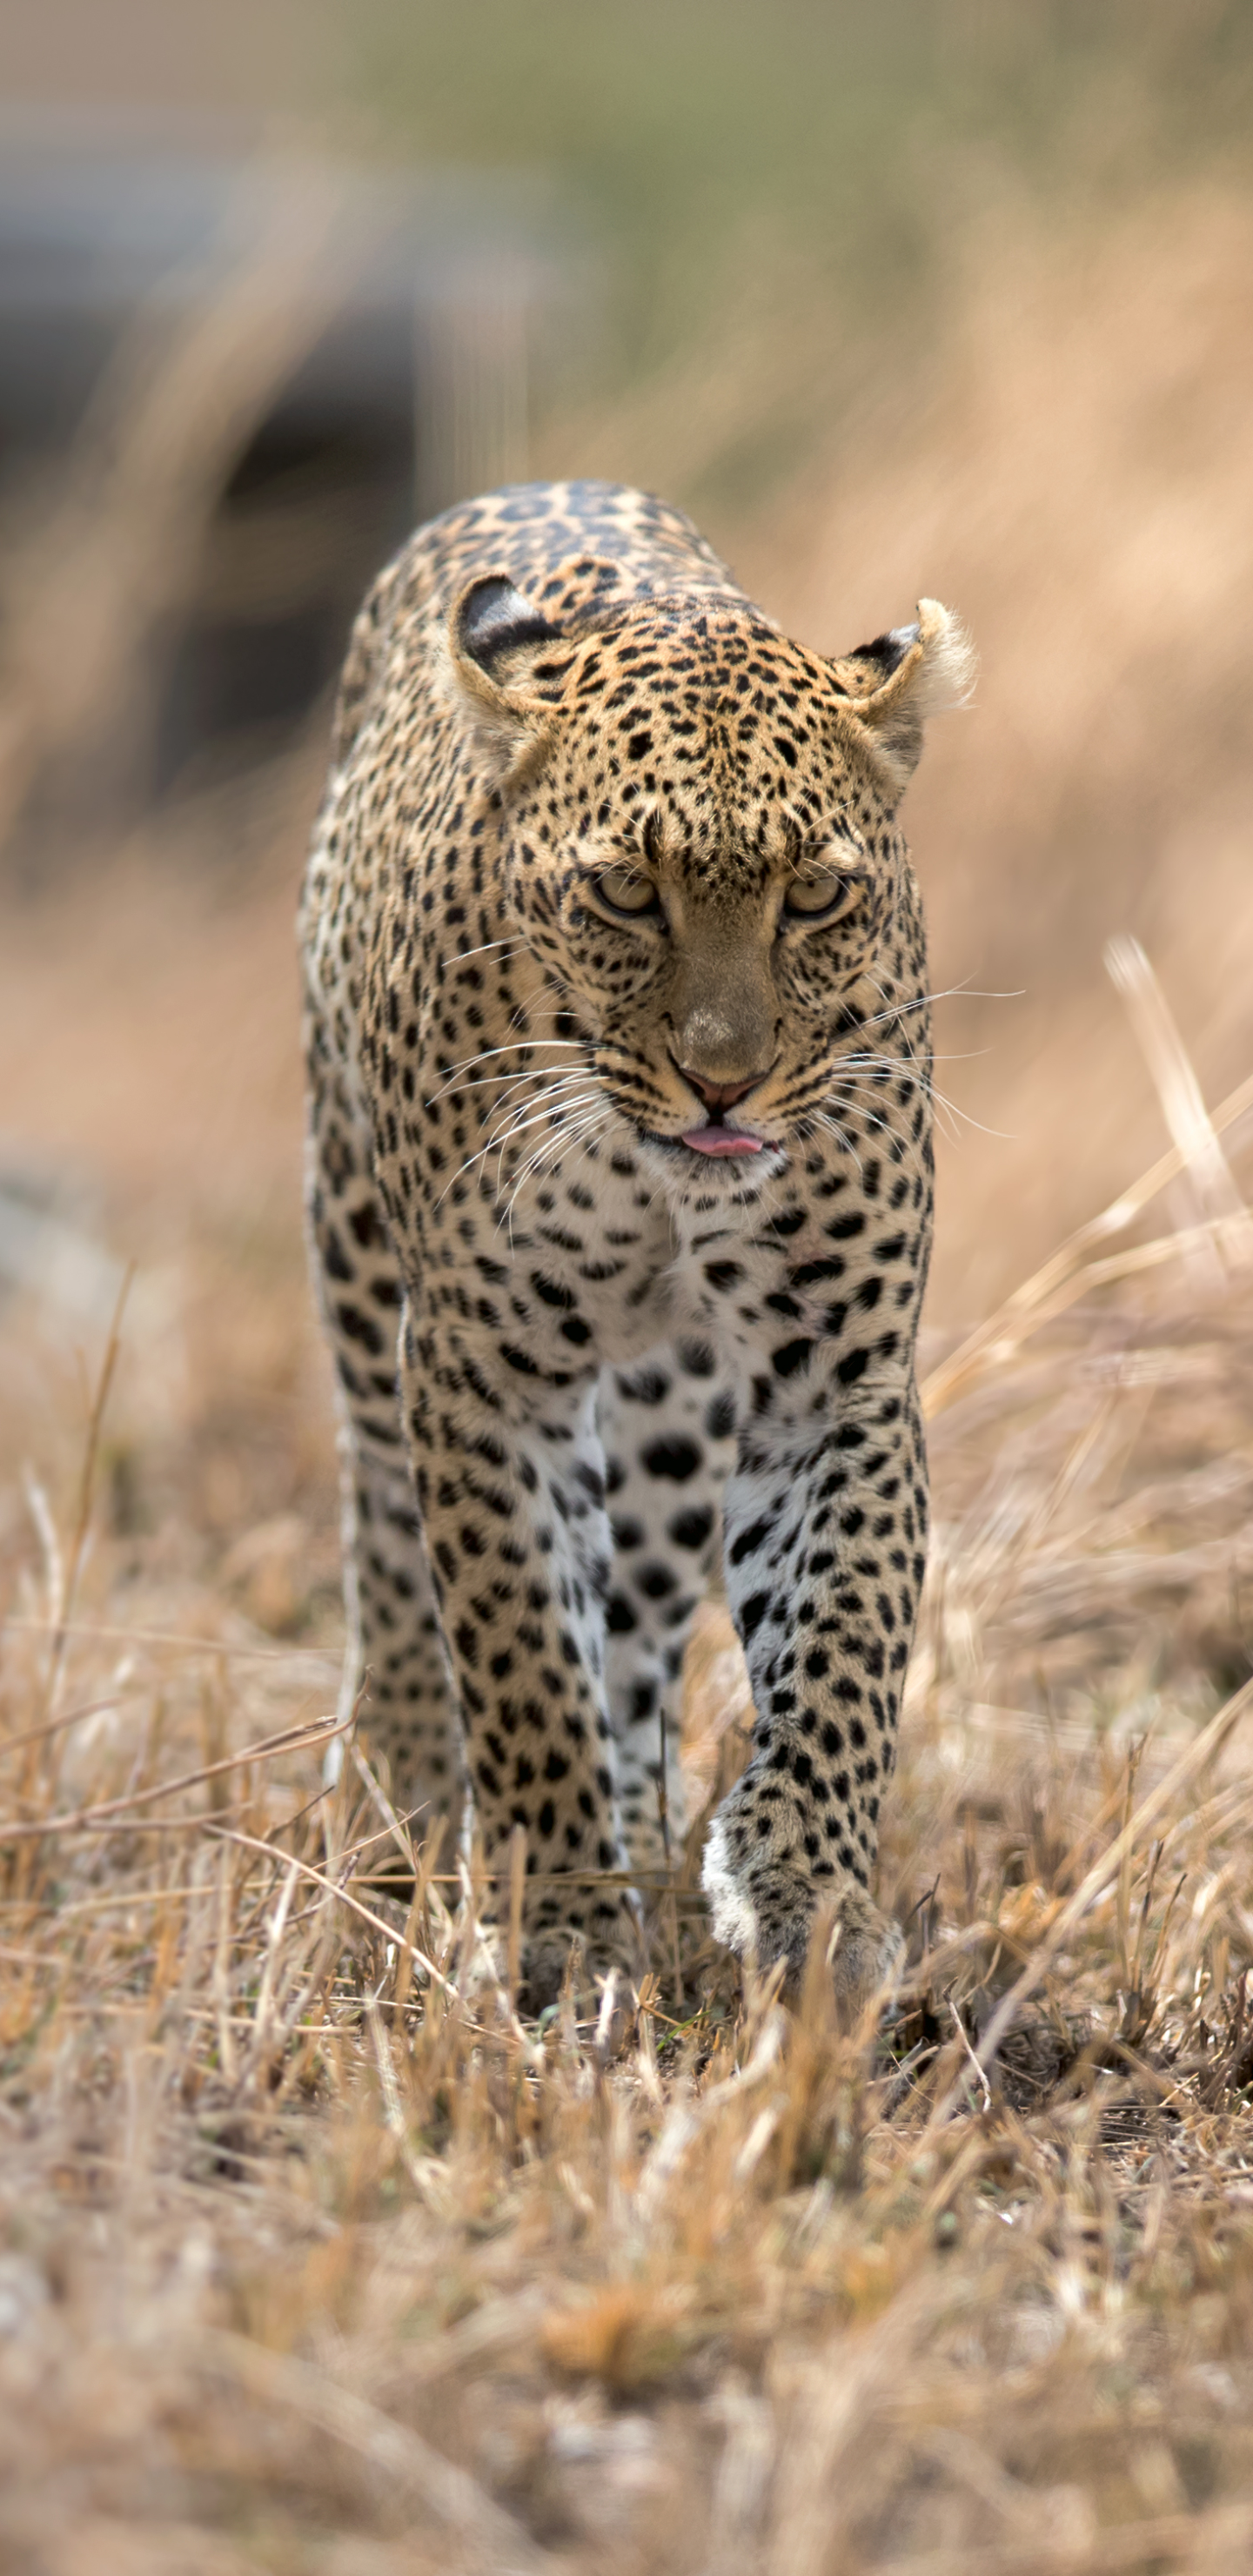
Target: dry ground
x,y
312,2257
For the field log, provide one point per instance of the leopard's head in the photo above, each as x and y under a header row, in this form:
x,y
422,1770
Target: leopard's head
x,y
700,852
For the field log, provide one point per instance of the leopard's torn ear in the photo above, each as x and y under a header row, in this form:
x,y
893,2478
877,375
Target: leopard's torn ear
x,y
894,684
500,646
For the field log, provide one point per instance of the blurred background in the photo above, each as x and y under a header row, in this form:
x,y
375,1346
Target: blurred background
x,y
949,297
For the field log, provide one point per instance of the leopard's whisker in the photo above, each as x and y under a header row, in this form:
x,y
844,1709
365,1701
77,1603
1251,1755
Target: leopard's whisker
x,y
514,942
950,992
556,1119
501,1141
517,1046
536,1162
503,1088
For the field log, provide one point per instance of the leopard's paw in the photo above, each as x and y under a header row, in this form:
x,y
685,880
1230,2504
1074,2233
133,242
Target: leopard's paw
x,y
769,1907
863,1949
562,1959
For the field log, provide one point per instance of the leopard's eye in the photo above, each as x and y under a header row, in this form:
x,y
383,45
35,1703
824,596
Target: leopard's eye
x,y
821,898
623,890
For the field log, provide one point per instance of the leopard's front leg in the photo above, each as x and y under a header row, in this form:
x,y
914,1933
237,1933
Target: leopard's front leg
x,y
511,1492
825,1520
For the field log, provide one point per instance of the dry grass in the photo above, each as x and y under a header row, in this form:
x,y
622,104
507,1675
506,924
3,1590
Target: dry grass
x,y
316,2258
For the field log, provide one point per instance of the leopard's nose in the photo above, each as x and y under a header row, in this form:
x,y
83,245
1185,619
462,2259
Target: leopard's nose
x,y
719,1095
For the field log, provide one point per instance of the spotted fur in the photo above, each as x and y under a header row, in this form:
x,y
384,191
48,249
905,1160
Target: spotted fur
x,y
606,862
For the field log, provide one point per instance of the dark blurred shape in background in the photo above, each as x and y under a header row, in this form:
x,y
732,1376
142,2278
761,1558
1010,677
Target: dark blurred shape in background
x,y
248,377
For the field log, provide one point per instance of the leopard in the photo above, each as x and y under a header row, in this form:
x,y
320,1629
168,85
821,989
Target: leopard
x,y
620,1203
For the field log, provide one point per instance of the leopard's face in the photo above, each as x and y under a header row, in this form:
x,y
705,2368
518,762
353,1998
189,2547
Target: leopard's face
x,y
699,848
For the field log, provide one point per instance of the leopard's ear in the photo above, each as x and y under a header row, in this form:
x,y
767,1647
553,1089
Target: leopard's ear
x,y
499,644
894,684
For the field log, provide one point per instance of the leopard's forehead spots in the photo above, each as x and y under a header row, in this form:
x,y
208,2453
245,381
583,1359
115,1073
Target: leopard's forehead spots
x,y
711,727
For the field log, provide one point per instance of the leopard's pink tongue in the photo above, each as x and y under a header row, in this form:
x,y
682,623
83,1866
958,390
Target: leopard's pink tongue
x,y
721,1140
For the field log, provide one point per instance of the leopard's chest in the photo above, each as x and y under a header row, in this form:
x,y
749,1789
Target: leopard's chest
x,y
572,1269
